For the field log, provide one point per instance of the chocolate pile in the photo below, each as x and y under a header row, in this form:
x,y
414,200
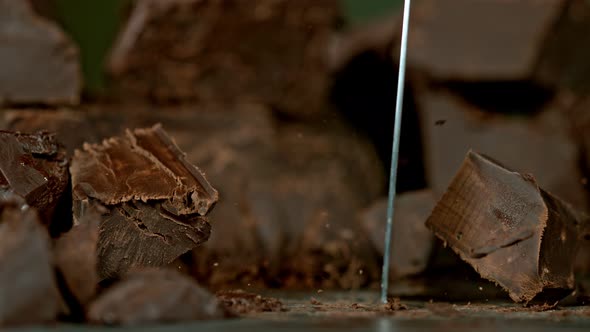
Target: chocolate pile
x,y
288,112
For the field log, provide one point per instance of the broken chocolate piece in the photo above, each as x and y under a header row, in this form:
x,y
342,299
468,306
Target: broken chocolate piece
x,y
155,199
272,52
35,168
241,302
154,296
145,234
39,63
412,243
511,231
513,139
76,259
28,291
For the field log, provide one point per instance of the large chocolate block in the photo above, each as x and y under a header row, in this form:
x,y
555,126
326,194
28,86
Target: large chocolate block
x,y
154,296
464,39
412,243
564,61
155,200
511,231
40,64
550,46
34,167
28,291
272,52
523,142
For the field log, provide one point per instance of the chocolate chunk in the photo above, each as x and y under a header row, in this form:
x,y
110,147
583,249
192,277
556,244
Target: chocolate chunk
x,y
272,52
511,231
580,121
72,127
154,296
35,168
242,303
76,259
514,140
28,292
565,50
412,243
441,45
39,63
155,199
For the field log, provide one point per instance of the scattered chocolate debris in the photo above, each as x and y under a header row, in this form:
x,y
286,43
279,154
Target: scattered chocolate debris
x,y
241,302
154,296
28,290
511,231
394,304
40,64
155,200
314,301
34,167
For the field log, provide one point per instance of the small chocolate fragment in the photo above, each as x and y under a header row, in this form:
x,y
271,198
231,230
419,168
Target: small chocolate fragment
x,y
412,243
35,168
272,52
154,296
511,231
76,259
39,63
241,302
155,200
28,291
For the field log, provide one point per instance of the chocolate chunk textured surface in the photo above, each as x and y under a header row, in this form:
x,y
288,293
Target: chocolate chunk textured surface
x,y
511,231
155,200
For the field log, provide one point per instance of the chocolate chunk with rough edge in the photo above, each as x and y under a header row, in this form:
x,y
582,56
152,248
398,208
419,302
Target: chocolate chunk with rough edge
x,y
511,231
244,303
516,140
34,167
412,244
28,291
155,200
40,64
154,296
